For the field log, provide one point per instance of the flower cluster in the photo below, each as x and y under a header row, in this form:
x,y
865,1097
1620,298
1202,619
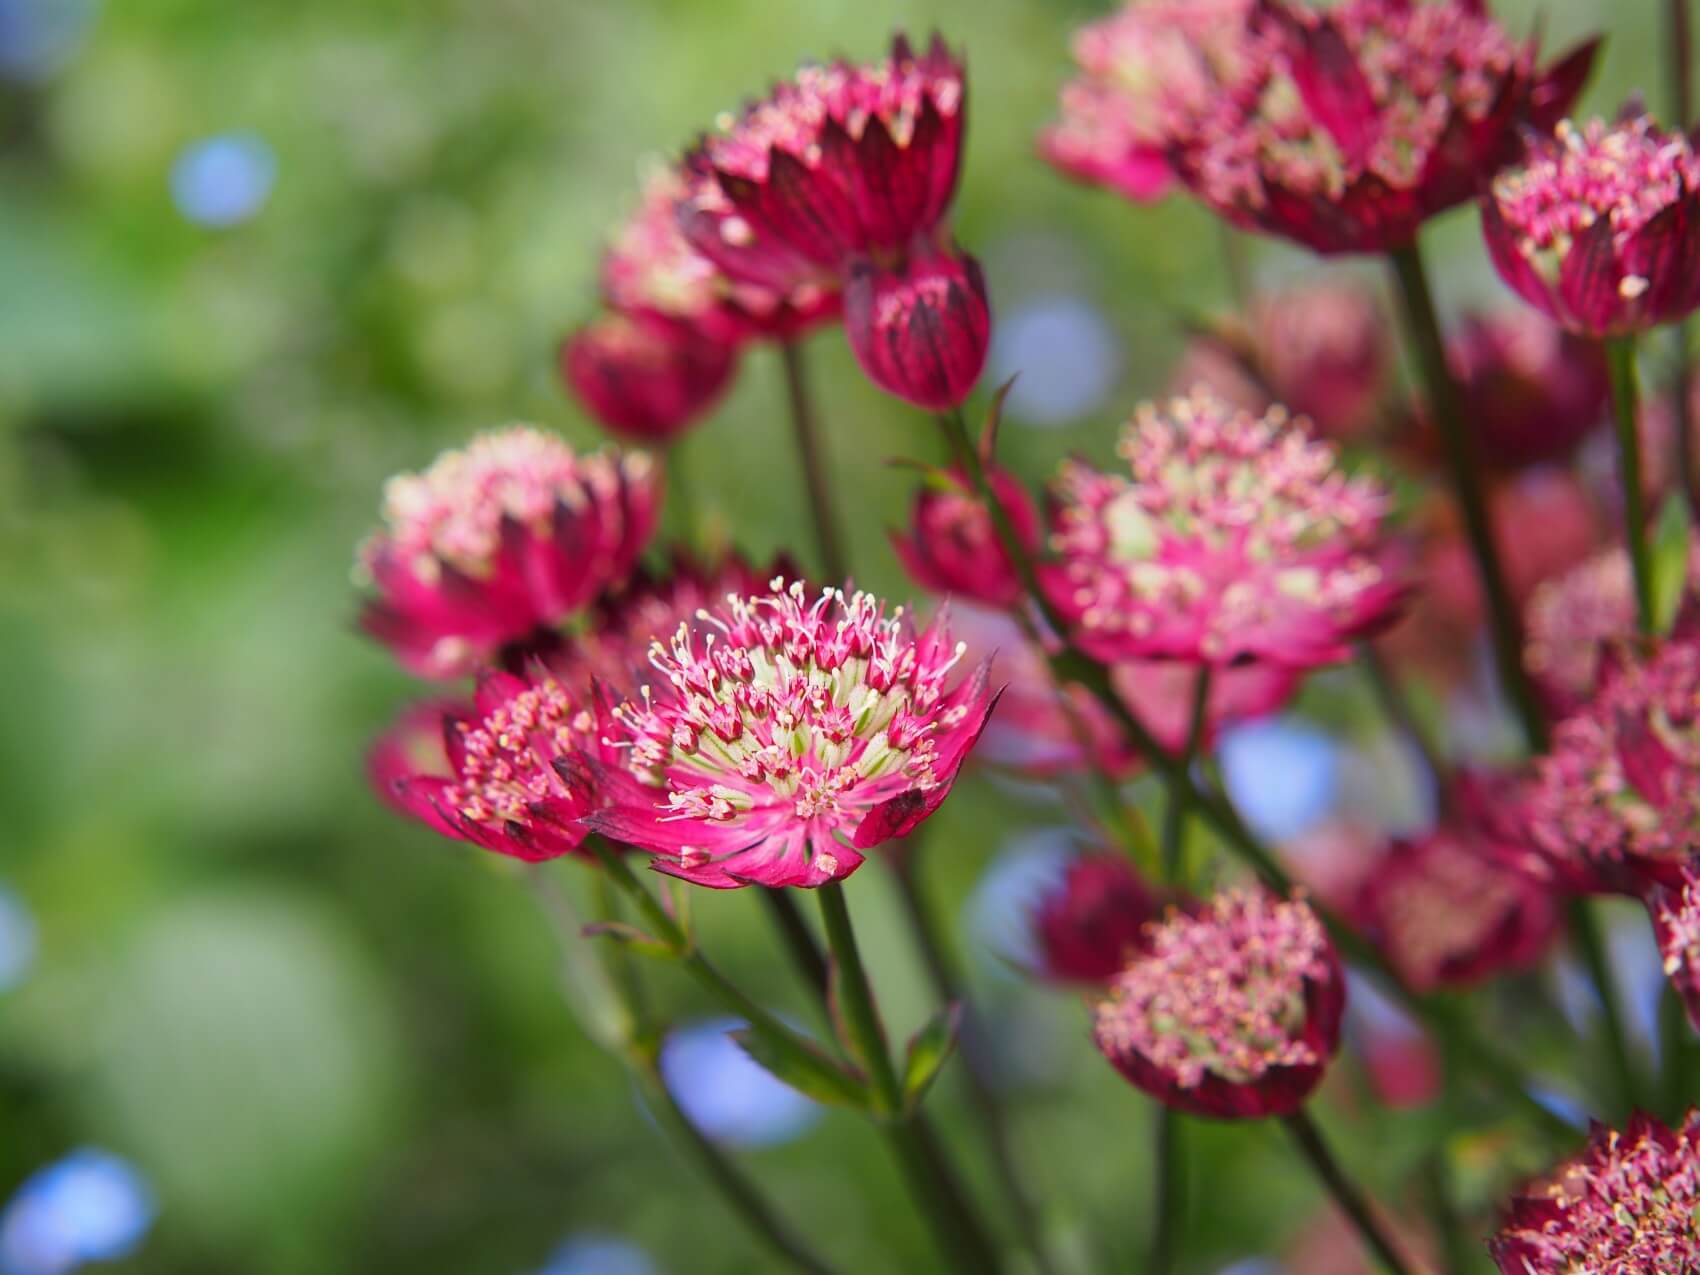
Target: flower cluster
x,y
1625,1204
790,734
1675,913
1599,227
1235,537
494,542
1232,1010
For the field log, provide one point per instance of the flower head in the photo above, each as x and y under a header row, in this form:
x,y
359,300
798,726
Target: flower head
x,y
1234,537
1089,925
646,378
1147,72
1613,805
837,164
496,773
920,331
1675,912
1350,126
1599,228
1624,1205
788,735
952,546
1231,1011
511,534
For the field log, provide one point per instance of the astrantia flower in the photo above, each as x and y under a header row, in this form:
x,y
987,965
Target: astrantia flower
x,y
1448,912
493,779
1231,1011
1350,126
1147,71
1532,392
790,735
1234,537
920,331
1675,911
1600,227
507,536
646,378
1614,804
952,546
1090,923
1624,1206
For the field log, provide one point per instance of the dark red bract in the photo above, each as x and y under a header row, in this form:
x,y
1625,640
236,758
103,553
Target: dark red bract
x,y
1088,926
645,378
920,332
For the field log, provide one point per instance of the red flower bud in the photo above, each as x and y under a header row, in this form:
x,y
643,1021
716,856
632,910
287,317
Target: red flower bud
x,y
646,378
921,332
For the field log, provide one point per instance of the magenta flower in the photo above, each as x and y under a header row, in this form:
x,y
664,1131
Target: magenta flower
x,y
789,736
644,378
1613,805
1233,538
921,331
1351,126
1089,925
1231,1011
1624,1206
1531,391
1599,228
1147,72
499,541
1447,911
1675,912
496,776
952,547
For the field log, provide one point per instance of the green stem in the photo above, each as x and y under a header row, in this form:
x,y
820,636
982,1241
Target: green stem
x,y
1459,1247
1677,1038
1345,1192
1680,66
1591,947
1446,407
1625,400
1171,1190
1397,708
957,1230
804,425
799,943
1174,813
682,496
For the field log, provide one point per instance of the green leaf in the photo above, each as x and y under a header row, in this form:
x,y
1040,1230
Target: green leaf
x,y
803,1067
927,1051
630,936
1670,561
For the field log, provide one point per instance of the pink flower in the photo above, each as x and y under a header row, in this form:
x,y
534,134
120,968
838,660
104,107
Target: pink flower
x,y
952,547
1234,538
645,378
1532,391
1613,805
1090,924
920,332
1599,228
1625,1205
1351,126
1232,1011
493,543
1675,912
789,736
1448,912
1147,71
497,776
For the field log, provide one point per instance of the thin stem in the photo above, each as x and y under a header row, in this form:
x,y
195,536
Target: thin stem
x,y
804,425
1346,1194
1174,813
955,1227
681,494
1456,1242
1679,44
1446,407
1590,946
1171,1190
1625,400
1397,706
799,942
1676,1037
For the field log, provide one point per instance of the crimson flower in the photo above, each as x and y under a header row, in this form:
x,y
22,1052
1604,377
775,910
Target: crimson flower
x,y
1531,391
920,331
494,542
788,736
1233,538
952,546
1625,1205
645,378
1599,228
1348,127
1091,922
1232,1010
1675,912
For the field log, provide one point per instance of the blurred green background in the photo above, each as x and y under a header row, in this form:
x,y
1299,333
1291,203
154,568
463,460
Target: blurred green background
x,y
328,1041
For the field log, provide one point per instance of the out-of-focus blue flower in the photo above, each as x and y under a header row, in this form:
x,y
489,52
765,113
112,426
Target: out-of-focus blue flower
x,y
996,912
1563,1105
725,1093
17,940
599,1255
90,1206
1282,774
224,180
1065,356
1254,1266
37,37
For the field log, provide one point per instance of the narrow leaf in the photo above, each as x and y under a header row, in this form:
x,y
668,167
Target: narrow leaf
x,y
804,1068
630,936
1670,561
927,1052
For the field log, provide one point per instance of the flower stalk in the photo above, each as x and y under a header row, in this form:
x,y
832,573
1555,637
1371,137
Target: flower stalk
x,y
1626,401
805,427
1345,1192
